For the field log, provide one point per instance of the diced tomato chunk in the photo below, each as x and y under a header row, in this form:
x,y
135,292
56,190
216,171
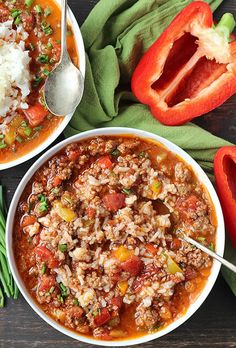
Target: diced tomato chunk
x,y
190,273
134,265
57,181
189,203
28,220
114,201
46,282
46,256
105,162
176,244
36,114
151,248
91,212
117,301
74,154
102,318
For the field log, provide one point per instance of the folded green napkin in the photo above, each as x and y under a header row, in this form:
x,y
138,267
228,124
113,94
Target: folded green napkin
x,y
116,34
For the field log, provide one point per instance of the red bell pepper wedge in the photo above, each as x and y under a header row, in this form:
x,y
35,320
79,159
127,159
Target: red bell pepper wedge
x,y
225,174
191,69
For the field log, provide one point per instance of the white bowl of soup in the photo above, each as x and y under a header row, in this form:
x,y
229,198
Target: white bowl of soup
x,y
92,236
30,49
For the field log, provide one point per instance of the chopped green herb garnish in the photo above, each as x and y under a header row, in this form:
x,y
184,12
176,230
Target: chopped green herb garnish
x,y
47,29
38,128
76,302
127,191
60,299
49,45
62,247
43,268
143,154
19,139
24,124
29,3
46,72
37,81
47,12
201,239
43,206
27,131
2,136
15,13
38,9
43,58
55,191
115,152
17,20
32,47
52,61
42,198
51,289
211,247
3,145
64,290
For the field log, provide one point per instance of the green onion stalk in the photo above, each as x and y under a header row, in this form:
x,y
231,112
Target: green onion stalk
x,y
8,287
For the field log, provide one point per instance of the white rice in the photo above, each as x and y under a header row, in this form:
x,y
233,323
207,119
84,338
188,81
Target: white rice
x,y
14,70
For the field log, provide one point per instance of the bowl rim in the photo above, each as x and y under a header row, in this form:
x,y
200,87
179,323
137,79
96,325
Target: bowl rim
x,y
55,134
220,234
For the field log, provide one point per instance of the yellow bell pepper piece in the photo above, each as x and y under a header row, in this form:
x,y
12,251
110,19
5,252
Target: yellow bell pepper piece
x,y
172,266
66,214
123,254
10,135
156,186
117,333
123,286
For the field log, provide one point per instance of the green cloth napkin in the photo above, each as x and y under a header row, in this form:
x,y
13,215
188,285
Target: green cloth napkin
x,y
116,34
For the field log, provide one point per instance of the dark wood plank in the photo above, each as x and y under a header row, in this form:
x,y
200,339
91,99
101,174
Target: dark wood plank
x,y
214,324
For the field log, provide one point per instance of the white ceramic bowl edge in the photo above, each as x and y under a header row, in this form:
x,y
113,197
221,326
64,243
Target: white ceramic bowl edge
x,y
220,239
66,120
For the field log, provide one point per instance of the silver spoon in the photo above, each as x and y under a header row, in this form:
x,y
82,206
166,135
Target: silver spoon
x,y
224,262
65,85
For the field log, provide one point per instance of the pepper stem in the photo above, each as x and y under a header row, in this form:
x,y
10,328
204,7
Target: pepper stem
x,y
226,25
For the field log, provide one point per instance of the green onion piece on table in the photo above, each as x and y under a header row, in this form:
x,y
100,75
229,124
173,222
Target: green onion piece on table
x,y
7,285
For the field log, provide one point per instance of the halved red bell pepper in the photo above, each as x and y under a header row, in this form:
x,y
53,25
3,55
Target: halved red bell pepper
x,y
225,174
190,69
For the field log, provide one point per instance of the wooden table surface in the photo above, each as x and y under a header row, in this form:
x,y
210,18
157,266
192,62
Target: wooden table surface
x,y
214,324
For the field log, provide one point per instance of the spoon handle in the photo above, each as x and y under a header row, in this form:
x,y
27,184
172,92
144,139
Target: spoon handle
x,y
210,253
64,28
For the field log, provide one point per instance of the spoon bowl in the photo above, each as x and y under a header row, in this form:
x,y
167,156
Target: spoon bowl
x,y
64,86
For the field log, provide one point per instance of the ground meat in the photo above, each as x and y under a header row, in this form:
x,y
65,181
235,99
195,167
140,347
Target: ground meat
x,y
28,21
182,173
146,318
198,259
128,145
4,14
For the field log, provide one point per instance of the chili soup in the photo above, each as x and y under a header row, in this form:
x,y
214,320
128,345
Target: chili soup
x,y
29,49
96,237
